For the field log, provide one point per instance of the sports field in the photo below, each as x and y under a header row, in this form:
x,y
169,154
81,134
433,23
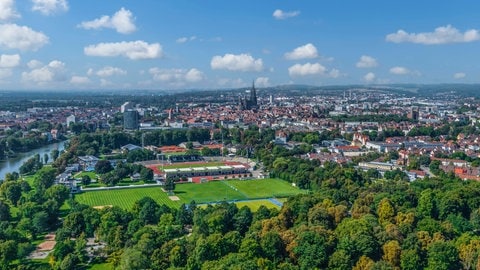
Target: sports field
x,y
265,188
124,198
254,205
210,192
191,165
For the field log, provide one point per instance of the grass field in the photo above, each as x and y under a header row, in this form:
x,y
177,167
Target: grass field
x,y
214,191
92,175
254,205
124,198
265,188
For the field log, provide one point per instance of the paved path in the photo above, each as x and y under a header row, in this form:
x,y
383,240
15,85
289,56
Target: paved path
x,y
276,202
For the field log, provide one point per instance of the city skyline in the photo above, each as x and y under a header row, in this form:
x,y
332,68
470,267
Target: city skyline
x,y
60,44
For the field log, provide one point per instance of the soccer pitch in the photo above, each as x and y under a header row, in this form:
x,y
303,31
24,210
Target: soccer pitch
x,y
210,192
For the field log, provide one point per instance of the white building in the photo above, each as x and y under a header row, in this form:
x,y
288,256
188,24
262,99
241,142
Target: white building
x,y
126,107
70,119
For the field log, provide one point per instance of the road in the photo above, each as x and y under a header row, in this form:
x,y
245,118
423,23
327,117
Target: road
x,y
427,170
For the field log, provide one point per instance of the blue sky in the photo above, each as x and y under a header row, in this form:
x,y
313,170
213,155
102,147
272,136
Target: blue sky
x,y
215,44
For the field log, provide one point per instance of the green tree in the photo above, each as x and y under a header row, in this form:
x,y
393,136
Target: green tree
x,y
55,153
12,191
109,179
86,180
443,256
8,253
13,176
74,223
340,260
312,250
272,246
385,211
40,222
4,211
410,260
242,219
58,193
103,167
146,174
357,238
170,185
391,253
427,204
184,215
44,179
147,210
251,248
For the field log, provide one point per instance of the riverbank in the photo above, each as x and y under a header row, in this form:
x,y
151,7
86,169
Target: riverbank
x,y
13,164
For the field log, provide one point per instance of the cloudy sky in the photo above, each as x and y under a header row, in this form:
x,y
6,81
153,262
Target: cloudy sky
x,y
179,44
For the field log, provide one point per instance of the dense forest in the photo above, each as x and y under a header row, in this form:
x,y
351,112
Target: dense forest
x,y
351,219
350,222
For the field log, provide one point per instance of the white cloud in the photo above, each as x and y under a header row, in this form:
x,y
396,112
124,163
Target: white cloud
x,y
262,82
48,7
185,39
110,71
80,80
9,60
53,72
459,75
400,71
182,40
134,50
238,62
21,37
122,21
177,76
367,62
34,64
306,51
334,73
194,75
369,77
307,69
441,35
282,15
7,10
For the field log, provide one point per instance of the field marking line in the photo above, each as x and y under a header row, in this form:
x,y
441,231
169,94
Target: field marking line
x,y
234,188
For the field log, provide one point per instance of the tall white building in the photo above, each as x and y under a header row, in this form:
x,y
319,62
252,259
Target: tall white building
x,y
127,106
70,119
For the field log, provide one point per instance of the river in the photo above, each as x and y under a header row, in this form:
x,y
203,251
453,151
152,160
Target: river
x,y
13,164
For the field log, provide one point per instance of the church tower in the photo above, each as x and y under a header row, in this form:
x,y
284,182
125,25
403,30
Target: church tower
x,y
253,96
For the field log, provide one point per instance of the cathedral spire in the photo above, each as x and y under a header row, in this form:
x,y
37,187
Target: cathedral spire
x,y
253,95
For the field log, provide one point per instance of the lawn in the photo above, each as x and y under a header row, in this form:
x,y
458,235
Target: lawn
x,y
210,192
254,205
265,188
92,175
124,198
